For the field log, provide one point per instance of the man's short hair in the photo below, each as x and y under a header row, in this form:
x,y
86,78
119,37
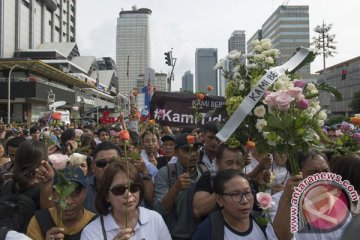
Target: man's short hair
x,y
14,142
106,146
210,127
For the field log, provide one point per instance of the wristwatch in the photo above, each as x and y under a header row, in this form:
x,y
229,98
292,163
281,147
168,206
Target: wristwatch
x,y
147,177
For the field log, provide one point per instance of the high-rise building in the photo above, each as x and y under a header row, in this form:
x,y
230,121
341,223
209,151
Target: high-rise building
x,y
187,82
237,41
288,29
28,23
205,74
132,47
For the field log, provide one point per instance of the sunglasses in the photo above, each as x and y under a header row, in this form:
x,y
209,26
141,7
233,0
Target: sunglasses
x,y
119,190
102,163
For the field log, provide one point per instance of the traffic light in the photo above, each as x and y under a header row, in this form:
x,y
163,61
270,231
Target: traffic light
x,y
168,58
343,74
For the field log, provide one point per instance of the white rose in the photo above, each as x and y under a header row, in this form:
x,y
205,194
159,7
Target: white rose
x,y
317,107
259,57
255,42
274,53
310,86
265,44
265,134
234,55
320,123
267,53
260,111
279,85
241,87
258,48
314,91
313,111
220,64
260,124
322,115
269,60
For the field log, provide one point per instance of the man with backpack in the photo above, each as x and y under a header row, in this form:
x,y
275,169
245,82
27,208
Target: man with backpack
x,y
50,224
174,188
20,196
207,159
204,199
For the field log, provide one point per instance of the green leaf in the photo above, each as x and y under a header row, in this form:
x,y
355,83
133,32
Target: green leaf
x,y
68,190
330,89
273,121
299,122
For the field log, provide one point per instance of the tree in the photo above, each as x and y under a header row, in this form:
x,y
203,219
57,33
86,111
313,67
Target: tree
x,y
324,42
355,103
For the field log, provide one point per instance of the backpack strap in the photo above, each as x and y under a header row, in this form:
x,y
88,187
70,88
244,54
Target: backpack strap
x,y
45,221
217,225
171,173
212,178
202,168
261,226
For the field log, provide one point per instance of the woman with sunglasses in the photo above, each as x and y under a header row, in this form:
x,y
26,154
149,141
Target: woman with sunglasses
x,y
117,202
233,220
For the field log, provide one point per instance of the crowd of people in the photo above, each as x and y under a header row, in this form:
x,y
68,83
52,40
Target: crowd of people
x,y
126,182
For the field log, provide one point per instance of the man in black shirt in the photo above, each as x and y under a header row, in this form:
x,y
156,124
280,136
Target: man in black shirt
x,y
168,145
204,200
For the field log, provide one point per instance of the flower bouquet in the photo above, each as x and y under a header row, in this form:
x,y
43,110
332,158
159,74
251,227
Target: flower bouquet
x,y
348,139
285,115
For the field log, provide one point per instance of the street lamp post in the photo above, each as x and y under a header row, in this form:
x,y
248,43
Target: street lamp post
x,y
9,88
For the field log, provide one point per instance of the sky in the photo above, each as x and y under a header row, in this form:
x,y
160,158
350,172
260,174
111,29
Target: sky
x,y
184,25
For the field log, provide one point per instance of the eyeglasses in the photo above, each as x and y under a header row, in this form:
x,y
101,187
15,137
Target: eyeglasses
x,y
238,196
119,190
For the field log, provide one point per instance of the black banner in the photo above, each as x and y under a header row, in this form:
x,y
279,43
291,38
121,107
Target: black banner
x,y
175,109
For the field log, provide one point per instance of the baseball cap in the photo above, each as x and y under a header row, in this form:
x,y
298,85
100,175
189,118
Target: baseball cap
x,y
168,138
71,174
182,142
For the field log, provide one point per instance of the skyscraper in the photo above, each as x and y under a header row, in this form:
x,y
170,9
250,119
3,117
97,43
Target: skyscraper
x,y
237,41
132,47
205,60
288,29
28,23
187,82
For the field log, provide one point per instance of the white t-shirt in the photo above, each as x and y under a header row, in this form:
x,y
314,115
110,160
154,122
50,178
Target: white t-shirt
x,y
253,233
13,235
150,226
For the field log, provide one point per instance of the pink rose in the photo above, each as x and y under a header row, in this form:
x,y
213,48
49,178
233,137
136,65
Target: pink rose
x,y
299,83
357,136
78,132
270,99
283,102
267,93
264,200
303,104
114,133
294,92
58,161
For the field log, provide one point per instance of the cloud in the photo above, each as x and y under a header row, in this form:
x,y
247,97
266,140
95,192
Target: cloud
x,y
100,42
